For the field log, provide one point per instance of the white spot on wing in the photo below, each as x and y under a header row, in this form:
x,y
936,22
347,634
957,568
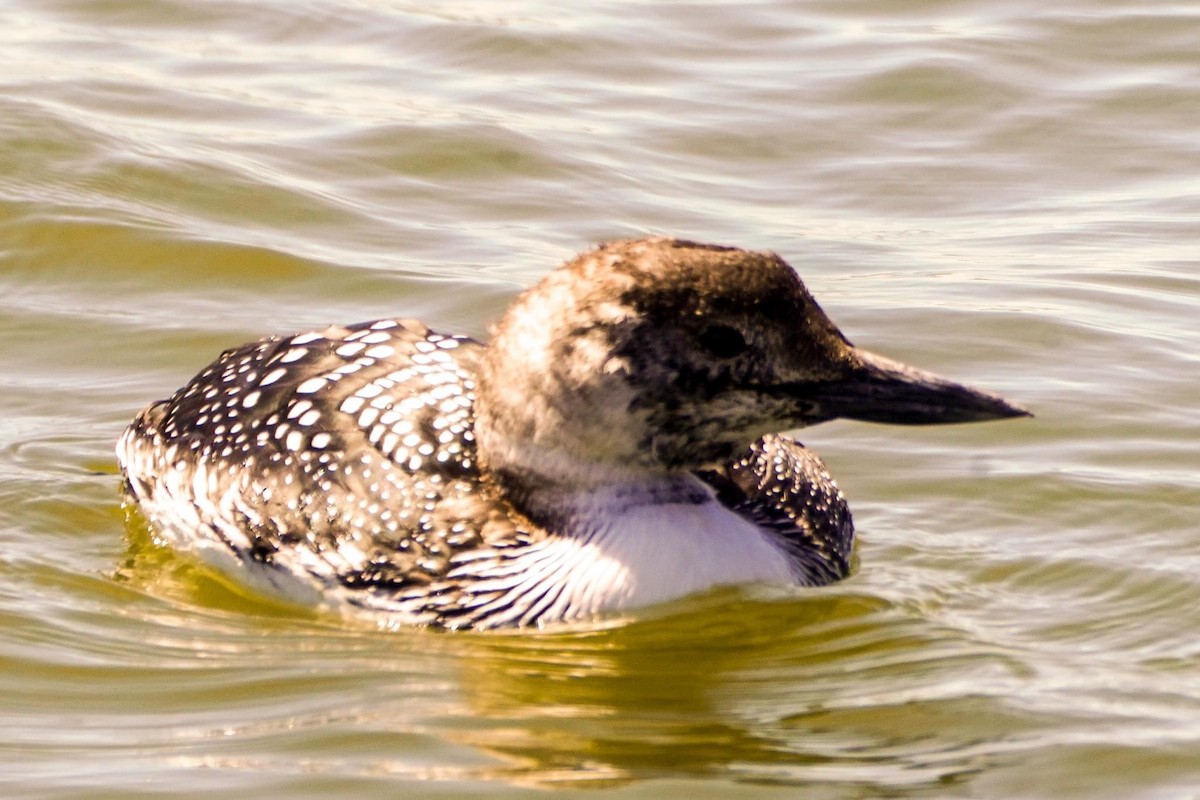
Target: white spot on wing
x,y
273,376
305,338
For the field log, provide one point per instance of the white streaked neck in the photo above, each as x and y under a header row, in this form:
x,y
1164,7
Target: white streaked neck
x,y
622,554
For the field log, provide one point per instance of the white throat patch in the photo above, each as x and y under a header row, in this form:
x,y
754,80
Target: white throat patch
x,y
635,556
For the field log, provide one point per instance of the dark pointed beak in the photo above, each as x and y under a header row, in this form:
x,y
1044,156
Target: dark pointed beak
x,y
878,389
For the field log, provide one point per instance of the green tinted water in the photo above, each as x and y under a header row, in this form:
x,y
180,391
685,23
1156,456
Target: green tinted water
x,y
1005,195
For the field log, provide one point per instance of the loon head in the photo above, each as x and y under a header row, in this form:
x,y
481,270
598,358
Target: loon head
x,y
660,355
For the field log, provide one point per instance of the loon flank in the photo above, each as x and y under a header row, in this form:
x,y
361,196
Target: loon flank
x,y
616,445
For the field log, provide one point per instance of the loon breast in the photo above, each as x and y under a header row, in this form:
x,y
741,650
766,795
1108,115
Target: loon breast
x,y
344,467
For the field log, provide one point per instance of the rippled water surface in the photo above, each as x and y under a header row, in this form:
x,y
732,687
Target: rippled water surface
x,y
1007,193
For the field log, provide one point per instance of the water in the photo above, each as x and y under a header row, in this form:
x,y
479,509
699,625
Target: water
x,y
1004,193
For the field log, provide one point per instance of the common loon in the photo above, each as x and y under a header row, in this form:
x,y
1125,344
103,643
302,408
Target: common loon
x,y
615,446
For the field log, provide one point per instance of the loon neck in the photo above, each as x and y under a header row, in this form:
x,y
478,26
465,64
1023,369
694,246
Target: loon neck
x,y
628,544
568,506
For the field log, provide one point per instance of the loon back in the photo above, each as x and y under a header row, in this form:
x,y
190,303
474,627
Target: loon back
x,y
612,448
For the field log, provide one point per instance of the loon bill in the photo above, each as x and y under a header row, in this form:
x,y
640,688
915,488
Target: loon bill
x,y
616,445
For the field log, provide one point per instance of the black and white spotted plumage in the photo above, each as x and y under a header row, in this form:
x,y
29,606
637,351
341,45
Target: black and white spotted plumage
x,y
784,488
344,466
342,459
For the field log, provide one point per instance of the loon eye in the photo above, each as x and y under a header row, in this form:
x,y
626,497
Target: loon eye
x,y
723,341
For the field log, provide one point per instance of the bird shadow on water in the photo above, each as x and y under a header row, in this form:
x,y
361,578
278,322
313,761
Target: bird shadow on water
x,y
770,691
